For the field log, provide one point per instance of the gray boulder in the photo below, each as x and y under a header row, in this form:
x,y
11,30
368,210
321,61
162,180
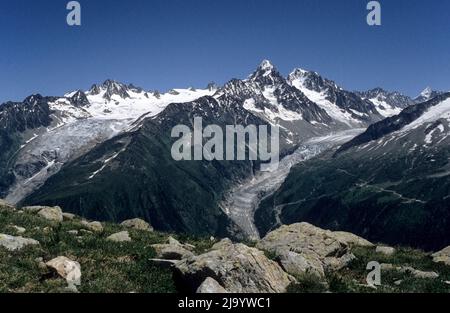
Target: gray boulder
x,y
68,216
236,267
51,213
137,223
210,285
442,256
95,227
385,250
12,243
122,236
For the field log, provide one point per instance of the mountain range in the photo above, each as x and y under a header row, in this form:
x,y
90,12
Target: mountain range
x,y
104,153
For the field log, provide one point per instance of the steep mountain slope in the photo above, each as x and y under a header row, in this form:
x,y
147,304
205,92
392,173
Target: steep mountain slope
x,y
106,152
134,174
386,102
343,106
390,184
43,133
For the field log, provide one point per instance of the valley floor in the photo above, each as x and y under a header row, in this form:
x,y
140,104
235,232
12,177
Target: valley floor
x,y
242,201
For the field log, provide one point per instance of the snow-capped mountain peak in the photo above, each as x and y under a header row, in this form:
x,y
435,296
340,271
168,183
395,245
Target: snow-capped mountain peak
x,y
426,93
266,65
341,105
266,74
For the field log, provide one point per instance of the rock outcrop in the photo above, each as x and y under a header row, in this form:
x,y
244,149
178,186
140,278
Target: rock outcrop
x,y
303,248
236,267
442,256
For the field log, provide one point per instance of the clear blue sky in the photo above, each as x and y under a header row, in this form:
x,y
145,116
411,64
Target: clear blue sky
x,y
160,44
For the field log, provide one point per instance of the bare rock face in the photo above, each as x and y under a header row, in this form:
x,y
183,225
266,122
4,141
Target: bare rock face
x,y
67,269
122,236
137,223
303,248
51,213
12,243
297,264
211,285
442,256
236,267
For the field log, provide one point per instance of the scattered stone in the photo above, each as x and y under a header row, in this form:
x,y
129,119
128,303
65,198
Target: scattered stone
x,y
18,229
41,264
68,216
47,230
409,270
73,232
32,209
51,213
137,223
86,232
420,274
212,238
67,269
442,256
95,227
122,236
12,243
210,285
385,250
387,267
125,259
171,251
398,282
236,267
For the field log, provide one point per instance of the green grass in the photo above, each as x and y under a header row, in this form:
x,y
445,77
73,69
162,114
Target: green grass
x,y
353,278
109,267
106,266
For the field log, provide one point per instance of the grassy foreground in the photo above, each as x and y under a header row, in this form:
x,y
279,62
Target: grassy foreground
x,y
106,266
111,267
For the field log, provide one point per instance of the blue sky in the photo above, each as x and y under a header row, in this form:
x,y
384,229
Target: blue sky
x,y
162,44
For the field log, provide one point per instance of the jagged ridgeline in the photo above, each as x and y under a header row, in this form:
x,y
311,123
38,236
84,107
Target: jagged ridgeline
x,y
106,153
389,184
